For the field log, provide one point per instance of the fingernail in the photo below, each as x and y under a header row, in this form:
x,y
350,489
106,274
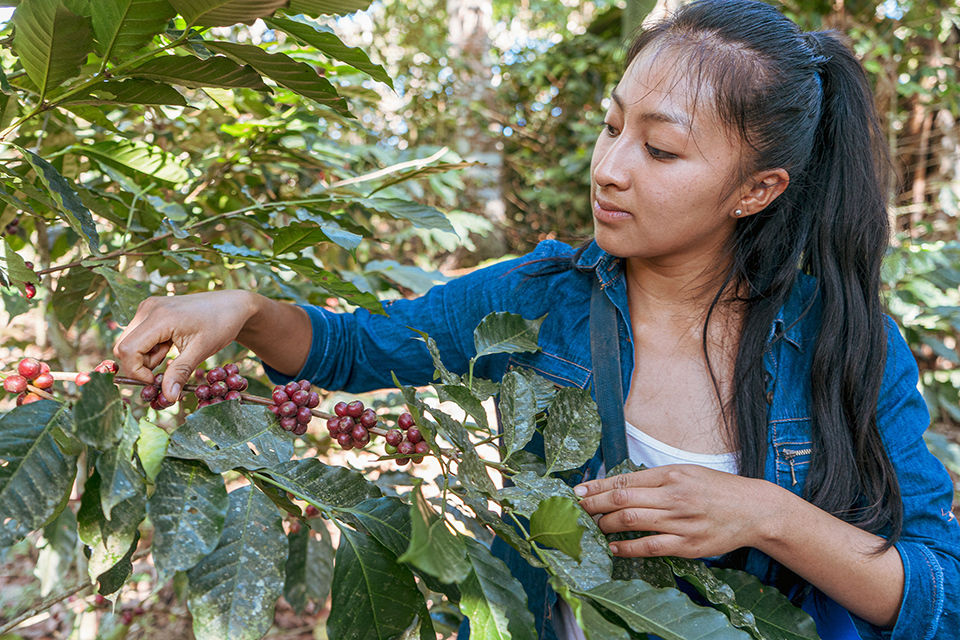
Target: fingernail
x,y
614,549
580,490
175,390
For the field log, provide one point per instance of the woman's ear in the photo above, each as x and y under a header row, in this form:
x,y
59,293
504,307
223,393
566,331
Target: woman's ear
x,y
767,186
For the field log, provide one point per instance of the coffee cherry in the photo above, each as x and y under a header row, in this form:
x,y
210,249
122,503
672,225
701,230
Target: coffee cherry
x,y
138,611
274,409
311,511
27,398
127,617
201,375
405,421
288,409
300,398
29,290
422,448
100,601
158,379
231,368
280,396
304,415
217,374
402,461
29,368
236,382
219,389
354,409
314,400
347,424
368,418
215,400
340,408
202,392
390,449
300,429
393,437
82,378
43,381
149,393
414,435
304,384
288,424
291,388
15,384
333,426
232,395
360,433
406,448
345,440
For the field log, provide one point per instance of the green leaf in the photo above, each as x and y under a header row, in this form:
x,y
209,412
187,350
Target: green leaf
x,y
554,524
188,511
127,293
137,156
112,541
233,591
776,616
518,412
494,600
316,8
231,435
335,285
120,479
420,215
433,548
151,448
374,598
188,71
300,235
51,41
387,519
309,567
503,332
667,613
98,415
297,76
464,398
593,624
68,202
131,91
330,487
36,476
15,268
76,292
224,13
58,550
446,376
331,46
572,433
452,430
123,26
717,592
473,473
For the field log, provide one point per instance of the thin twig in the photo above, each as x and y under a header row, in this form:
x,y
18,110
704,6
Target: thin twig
x,y
43,606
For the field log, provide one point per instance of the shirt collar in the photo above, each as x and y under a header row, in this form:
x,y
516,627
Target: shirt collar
x,y
790,318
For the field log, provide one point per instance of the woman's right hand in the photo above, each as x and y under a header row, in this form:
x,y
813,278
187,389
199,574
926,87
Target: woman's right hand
x,y
198,325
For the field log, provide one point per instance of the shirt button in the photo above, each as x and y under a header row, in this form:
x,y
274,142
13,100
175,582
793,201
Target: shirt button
x,y
769,397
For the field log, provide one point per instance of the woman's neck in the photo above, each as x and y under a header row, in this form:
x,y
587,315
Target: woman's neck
x,y
681,292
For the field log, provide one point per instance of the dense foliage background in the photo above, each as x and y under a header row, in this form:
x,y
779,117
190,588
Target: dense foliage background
x,y
336,195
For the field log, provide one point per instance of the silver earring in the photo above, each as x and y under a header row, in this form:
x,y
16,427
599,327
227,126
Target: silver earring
x,y
738,213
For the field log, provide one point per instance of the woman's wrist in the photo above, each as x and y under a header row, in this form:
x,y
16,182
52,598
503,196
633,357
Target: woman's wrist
x,y
774,511
278,332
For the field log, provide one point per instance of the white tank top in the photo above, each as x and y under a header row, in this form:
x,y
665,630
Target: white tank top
x,y
650,452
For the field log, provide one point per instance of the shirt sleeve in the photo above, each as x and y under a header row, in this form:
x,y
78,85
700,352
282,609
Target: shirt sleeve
x,y
930,542
356,352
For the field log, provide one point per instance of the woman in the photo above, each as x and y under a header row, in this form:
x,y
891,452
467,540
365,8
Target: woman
x,y
777,404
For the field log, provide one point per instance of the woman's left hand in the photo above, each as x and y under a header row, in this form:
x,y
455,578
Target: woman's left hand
x,y
695,511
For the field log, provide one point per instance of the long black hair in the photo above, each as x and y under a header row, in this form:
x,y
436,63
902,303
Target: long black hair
x,y
802,102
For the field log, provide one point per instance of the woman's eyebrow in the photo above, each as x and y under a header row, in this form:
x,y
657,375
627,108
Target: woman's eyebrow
x,y
664,117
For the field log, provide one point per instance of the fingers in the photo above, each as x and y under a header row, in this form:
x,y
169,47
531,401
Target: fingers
x,y
142,345
634,519
616,499
179,370
645,478
661,544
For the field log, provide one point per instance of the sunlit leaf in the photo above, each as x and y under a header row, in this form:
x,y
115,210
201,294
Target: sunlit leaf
x,y
554,524
131,91
123,26
189,71
224,13
138,156
420,215
127,294
331,486
503,332
51,41
316,8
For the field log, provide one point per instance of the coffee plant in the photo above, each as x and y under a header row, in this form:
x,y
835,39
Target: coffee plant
x,y
238,560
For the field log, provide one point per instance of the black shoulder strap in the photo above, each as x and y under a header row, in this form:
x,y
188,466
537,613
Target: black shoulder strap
x,y
607,381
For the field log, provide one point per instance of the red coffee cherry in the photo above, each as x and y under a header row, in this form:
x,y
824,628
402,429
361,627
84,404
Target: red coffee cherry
x,y
314,401
288,424
340,408
393,437
291,388
29,291
15,383
405,421
27,398
82,378
217,374
232,395
280,396
406,448
149,393
29,368
304,385
368,418
413,435
43,381
304,415
354,409
231,368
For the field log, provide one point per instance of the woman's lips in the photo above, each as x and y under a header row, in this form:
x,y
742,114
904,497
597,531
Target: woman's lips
x,y
601,213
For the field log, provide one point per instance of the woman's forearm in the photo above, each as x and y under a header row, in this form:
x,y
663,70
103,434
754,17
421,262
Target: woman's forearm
x,y
834,556
279,333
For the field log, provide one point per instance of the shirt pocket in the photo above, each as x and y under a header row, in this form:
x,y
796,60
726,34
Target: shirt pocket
x,y
560,371
793,464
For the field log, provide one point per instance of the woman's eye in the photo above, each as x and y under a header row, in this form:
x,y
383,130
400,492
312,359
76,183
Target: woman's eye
x,y
659,154
610,129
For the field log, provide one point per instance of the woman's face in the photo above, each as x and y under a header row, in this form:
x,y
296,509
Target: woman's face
x,y
662,169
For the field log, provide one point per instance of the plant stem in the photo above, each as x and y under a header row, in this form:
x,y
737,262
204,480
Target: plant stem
x,y
43,606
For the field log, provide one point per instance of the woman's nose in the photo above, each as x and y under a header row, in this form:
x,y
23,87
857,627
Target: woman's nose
x,y
612,166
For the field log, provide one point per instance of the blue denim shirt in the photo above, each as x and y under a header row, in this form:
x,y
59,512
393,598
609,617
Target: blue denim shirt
x,y
356,352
